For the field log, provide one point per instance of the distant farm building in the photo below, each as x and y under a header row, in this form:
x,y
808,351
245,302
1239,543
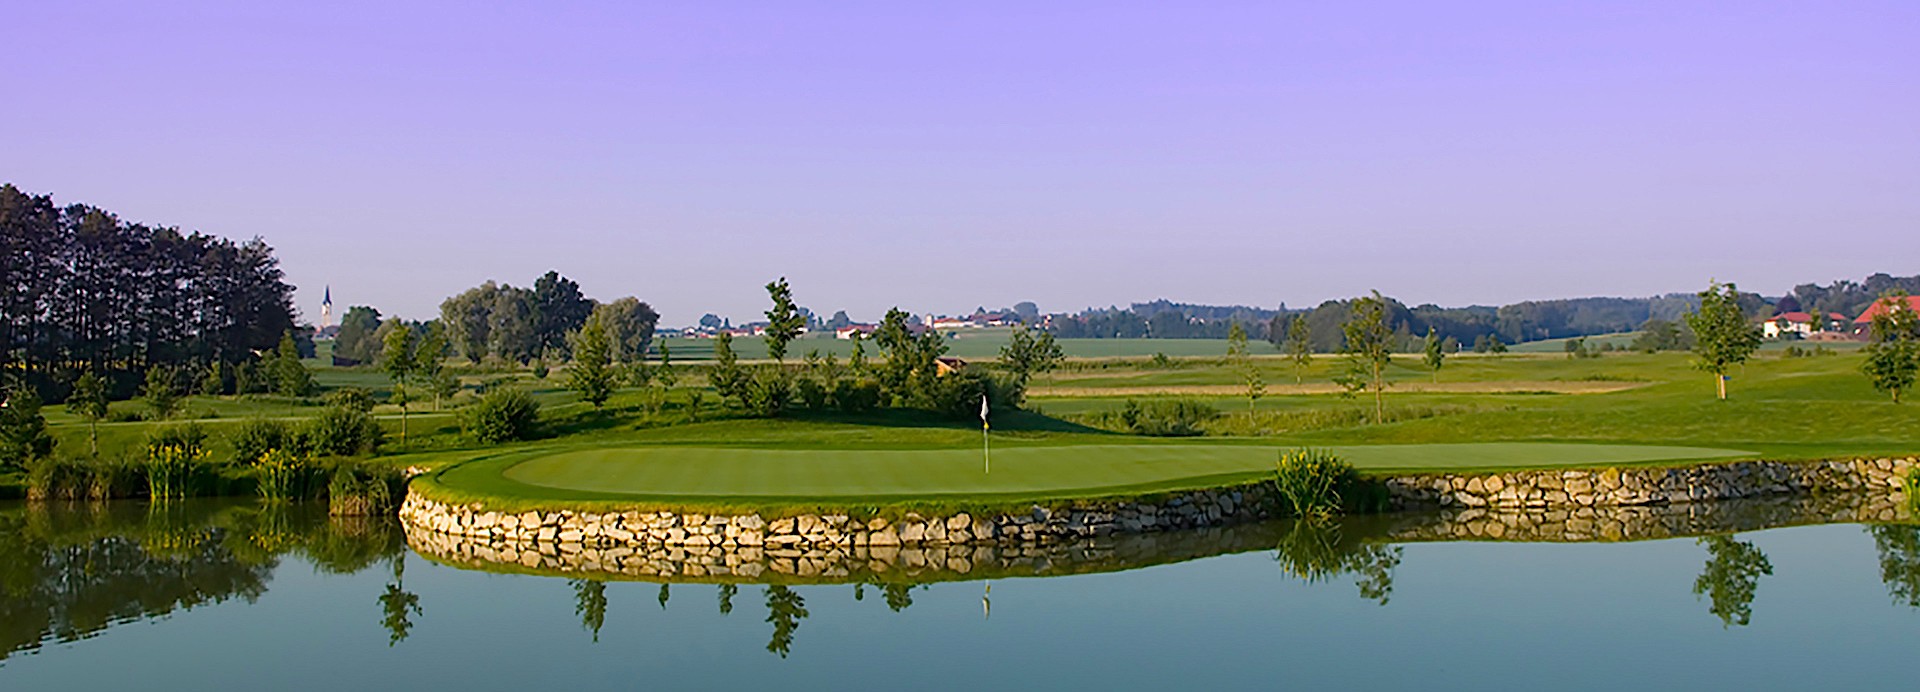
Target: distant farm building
x,y
1788,324
1863,324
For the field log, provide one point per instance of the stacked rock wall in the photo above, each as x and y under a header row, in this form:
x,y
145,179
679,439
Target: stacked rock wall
x,y
1041,524
1626,487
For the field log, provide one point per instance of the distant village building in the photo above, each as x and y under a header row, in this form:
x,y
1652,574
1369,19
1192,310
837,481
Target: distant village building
x,y
848,332
1863,325
1788,324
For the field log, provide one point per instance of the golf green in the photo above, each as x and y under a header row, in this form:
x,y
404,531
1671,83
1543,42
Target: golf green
x,y
711,472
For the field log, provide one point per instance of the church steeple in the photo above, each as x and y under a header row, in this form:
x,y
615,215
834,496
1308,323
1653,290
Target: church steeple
x,y
326,308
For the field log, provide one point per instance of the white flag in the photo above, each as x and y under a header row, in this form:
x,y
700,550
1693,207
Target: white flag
x,y
983,408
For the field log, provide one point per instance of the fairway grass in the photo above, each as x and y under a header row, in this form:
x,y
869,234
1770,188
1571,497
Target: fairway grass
x,y
710,475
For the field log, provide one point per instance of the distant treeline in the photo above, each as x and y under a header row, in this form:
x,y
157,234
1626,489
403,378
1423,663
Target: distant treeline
x,y
1527,321
82,289
509,324
1846,297
1532,320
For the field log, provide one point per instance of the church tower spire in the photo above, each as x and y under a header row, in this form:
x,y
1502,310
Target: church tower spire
x,y
326,308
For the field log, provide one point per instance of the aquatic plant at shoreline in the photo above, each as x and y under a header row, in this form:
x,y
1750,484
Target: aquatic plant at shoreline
x,y
282,474
1310,481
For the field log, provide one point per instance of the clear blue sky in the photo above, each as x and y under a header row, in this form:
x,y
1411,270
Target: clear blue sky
x,y
946,155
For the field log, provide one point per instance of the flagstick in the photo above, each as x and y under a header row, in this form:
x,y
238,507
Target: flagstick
x,y
986,448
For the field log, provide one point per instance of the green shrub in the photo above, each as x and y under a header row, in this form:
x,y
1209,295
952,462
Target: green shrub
x,y
58,478
363,489
1911,485
856,396
695,398
813,395
503,414
125,415
768,393
1167,417
113,478
252,439
1311,480
958,394
346,428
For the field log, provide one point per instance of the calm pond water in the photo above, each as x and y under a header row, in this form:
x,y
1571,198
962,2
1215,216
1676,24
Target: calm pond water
x,y
210,595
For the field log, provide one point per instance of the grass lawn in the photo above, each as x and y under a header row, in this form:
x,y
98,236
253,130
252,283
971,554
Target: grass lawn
x,y
666,473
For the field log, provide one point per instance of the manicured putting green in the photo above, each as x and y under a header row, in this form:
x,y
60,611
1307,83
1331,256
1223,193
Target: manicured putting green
x,y
764,473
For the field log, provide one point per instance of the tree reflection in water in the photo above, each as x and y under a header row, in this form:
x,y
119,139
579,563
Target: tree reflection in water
x,y
727,592
898,596
69,572
1731,577
590,604
1899,548
1314,551
785,609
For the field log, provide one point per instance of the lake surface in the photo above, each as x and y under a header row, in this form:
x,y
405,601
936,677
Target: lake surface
x,y
213,595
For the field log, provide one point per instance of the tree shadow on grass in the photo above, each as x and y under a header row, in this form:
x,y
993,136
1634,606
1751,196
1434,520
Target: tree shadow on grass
x,y
1008,422
586,422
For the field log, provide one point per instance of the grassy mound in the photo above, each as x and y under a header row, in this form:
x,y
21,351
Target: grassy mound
x,y
663,475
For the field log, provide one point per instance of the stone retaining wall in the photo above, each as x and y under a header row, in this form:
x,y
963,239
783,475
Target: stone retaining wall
x,y
1646,486
1067,521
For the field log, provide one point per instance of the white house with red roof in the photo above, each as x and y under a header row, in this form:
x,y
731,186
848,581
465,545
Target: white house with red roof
x,y
848,332
1799,323
1864,323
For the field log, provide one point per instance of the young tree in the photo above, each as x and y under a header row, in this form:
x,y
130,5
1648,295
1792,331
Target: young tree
x,y
23,431
592,373
1047,355
1722,336
1299,346
1242,360
161,393
783,319
89,401
429,364
1436,353
1025,355
1369,350
725,374
665,374
1893,349
397,359
215,382
289,376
